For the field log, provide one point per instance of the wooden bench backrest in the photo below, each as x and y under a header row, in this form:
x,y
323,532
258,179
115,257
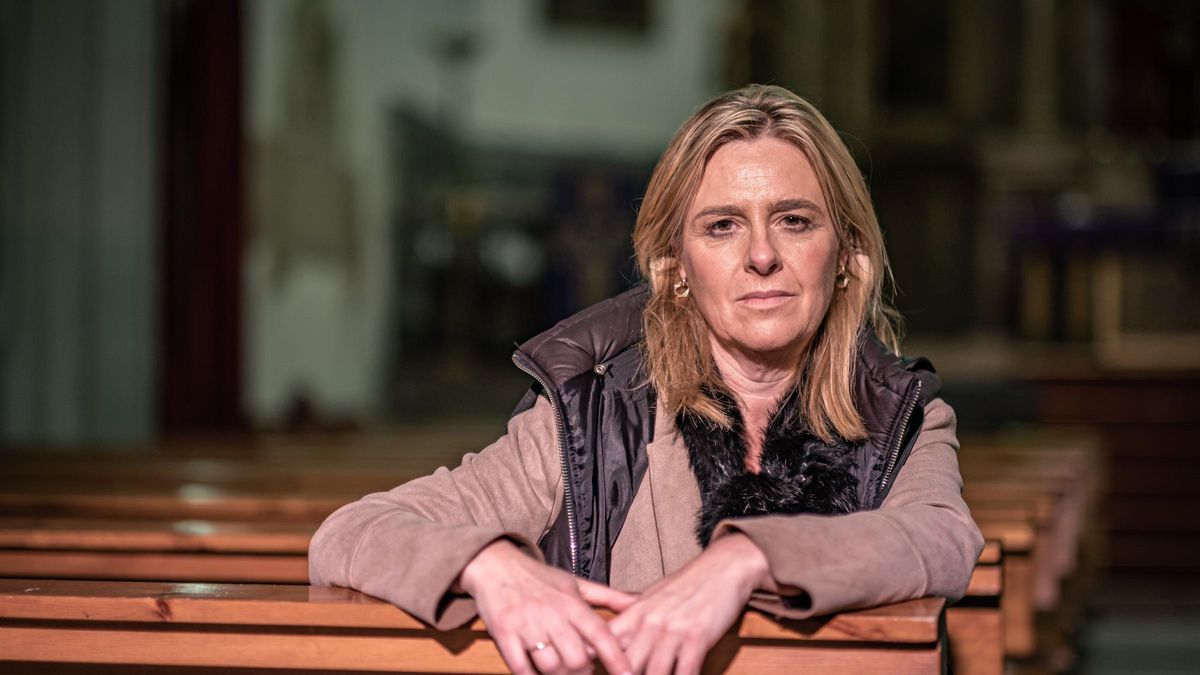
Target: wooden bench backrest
x,y
339,629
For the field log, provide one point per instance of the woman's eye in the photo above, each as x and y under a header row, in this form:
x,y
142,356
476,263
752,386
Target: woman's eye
x,y
720,226
797,222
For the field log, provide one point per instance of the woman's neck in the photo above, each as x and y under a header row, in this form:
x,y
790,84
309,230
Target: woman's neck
x,y
758,384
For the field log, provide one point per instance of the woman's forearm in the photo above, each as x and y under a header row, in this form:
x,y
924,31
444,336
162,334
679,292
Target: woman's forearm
x,y
409,545
921,542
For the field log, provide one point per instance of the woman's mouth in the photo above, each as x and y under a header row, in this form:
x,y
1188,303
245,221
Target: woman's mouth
x,y
765,299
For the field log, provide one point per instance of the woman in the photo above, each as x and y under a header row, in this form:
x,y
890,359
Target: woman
x,y
736,432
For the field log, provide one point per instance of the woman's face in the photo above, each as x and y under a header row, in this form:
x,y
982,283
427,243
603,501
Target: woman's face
x,y
760,253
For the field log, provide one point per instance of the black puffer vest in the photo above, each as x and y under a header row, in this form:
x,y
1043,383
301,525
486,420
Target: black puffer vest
x,y
590,368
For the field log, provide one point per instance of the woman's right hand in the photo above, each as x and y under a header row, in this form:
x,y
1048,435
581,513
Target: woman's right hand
x,y
526,603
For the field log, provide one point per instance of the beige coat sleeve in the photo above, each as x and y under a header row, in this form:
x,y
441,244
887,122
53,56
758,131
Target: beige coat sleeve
x,y
921,541
408,545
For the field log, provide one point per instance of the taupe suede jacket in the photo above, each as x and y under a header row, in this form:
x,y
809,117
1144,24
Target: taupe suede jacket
x,y
409,545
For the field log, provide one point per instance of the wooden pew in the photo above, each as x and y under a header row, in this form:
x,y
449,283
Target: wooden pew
x,y
335,629
1053,486
975,624
147,550
96,544
158,487
202,551
1039,513
1061,505
1045,501
199,551
197,502
1017,538
195,550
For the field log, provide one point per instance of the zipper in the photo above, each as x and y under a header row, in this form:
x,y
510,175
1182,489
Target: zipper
x,y
894,455
568,491
653,404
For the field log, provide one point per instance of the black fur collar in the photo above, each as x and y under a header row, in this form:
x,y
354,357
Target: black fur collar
x,y
798,473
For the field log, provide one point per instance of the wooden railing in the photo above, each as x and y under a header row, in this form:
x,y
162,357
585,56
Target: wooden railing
x,y
337,629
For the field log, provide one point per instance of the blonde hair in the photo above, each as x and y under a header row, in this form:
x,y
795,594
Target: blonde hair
x,y
678,358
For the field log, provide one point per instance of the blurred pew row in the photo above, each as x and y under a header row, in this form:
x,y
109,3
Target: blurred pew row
x,y
197,557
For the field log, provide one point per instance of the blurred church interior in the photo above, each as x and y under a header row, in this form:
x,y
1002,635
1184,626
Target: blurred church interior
x,y
233,228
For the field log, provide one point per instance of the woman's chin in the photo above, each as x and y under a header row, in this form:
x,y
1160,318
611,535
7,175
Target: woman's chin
x,y
769,347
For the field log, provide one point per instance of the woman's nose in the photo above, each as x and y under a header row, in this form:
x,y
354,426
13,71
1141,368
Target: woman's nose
x,y
763,257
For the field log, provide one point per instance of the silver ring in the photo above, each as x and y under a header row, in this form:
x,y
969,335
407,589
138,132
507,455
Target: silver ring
x,y
540,646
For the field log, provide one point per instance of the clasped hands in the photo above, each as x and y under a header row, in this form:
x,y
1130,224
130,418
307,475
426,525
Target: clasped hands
x,y
542,618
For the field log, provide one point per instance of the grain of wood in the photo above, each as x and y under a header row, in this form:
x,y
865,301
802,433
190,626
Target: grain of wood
x,y
976,640
337,629
241,568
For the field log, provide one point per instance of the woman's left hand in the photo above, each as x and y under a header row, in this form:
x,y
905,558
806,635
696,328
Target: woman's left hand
x,y
674,623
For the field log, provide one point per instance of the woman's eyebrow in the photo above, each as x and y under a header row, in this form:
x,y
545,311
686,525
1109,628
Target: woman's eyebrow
x,y
725,210
798,204
795,205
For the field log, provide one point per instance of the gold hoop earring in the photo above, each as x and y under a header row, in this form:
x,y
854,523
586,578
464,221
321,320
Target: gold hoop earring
x,y
842,279
681,288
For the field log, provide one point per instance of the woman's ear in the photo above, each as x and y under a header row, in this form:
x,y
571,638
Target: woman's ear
x,y
848,250
859,268
663,273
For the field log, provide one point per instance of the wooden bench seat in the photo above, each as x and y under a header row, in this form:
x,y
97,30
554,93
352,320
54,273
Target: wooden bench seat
x,y
201,503
198,551
298,495
84,548
319,628
155,550
198,536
